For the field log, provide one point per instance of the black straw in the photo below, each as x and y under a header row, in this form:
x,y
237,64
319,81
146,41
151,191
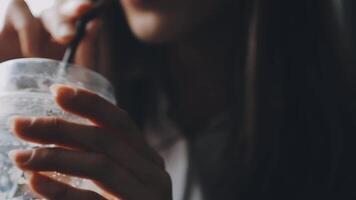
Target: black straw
x,y
80,33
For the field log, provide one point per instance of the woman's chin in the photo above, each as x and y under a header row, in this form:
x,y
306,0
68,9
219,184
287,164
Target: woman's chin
x,y
150,35
151,38
152,29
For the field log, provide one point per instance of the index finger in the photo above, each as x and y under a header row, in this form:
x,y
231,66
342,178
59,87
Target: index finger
x,y
91,106
102,113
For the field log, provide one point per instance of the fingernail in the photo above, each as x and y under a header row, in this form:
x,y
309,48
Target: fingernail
x,y
20,124
65,93
58,89
21,157
12,122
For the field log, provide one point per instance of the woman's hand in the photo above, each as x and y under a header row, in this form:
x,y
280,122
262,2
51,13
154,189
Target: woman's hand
x,y
111,152
25,35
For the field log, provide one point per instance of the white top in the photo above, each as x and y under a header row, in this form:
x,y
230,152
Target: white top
x,y
176,163
176,159
167,139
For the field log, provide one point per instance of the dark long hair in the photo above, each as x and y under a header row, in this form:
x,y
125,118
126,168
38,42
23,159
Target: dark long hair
x,y
292,80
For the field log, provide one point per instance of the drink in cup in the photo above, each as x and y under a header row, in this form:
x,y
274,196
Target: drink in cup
x,y
25,91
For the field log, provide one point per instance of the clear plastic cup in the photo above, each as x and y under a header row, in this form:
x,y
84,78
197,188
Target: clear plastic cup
x,y
25,91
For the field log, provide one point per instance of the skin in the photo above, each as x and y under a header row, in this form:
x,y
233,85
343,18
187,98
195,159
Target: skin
x,y
197,46
129,163
168,21
84,150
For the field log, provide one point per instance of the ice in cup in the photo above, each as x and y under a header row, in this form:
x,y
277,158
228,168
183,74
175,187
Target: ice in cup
x,y
25,91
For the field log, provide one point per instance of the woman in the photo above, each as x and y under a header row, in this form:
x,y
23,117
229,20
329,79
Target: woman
x,y
259,93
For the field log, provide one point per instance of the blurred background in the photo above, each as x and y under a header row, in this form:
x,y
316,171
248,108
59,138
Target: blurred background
x,y
36,6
